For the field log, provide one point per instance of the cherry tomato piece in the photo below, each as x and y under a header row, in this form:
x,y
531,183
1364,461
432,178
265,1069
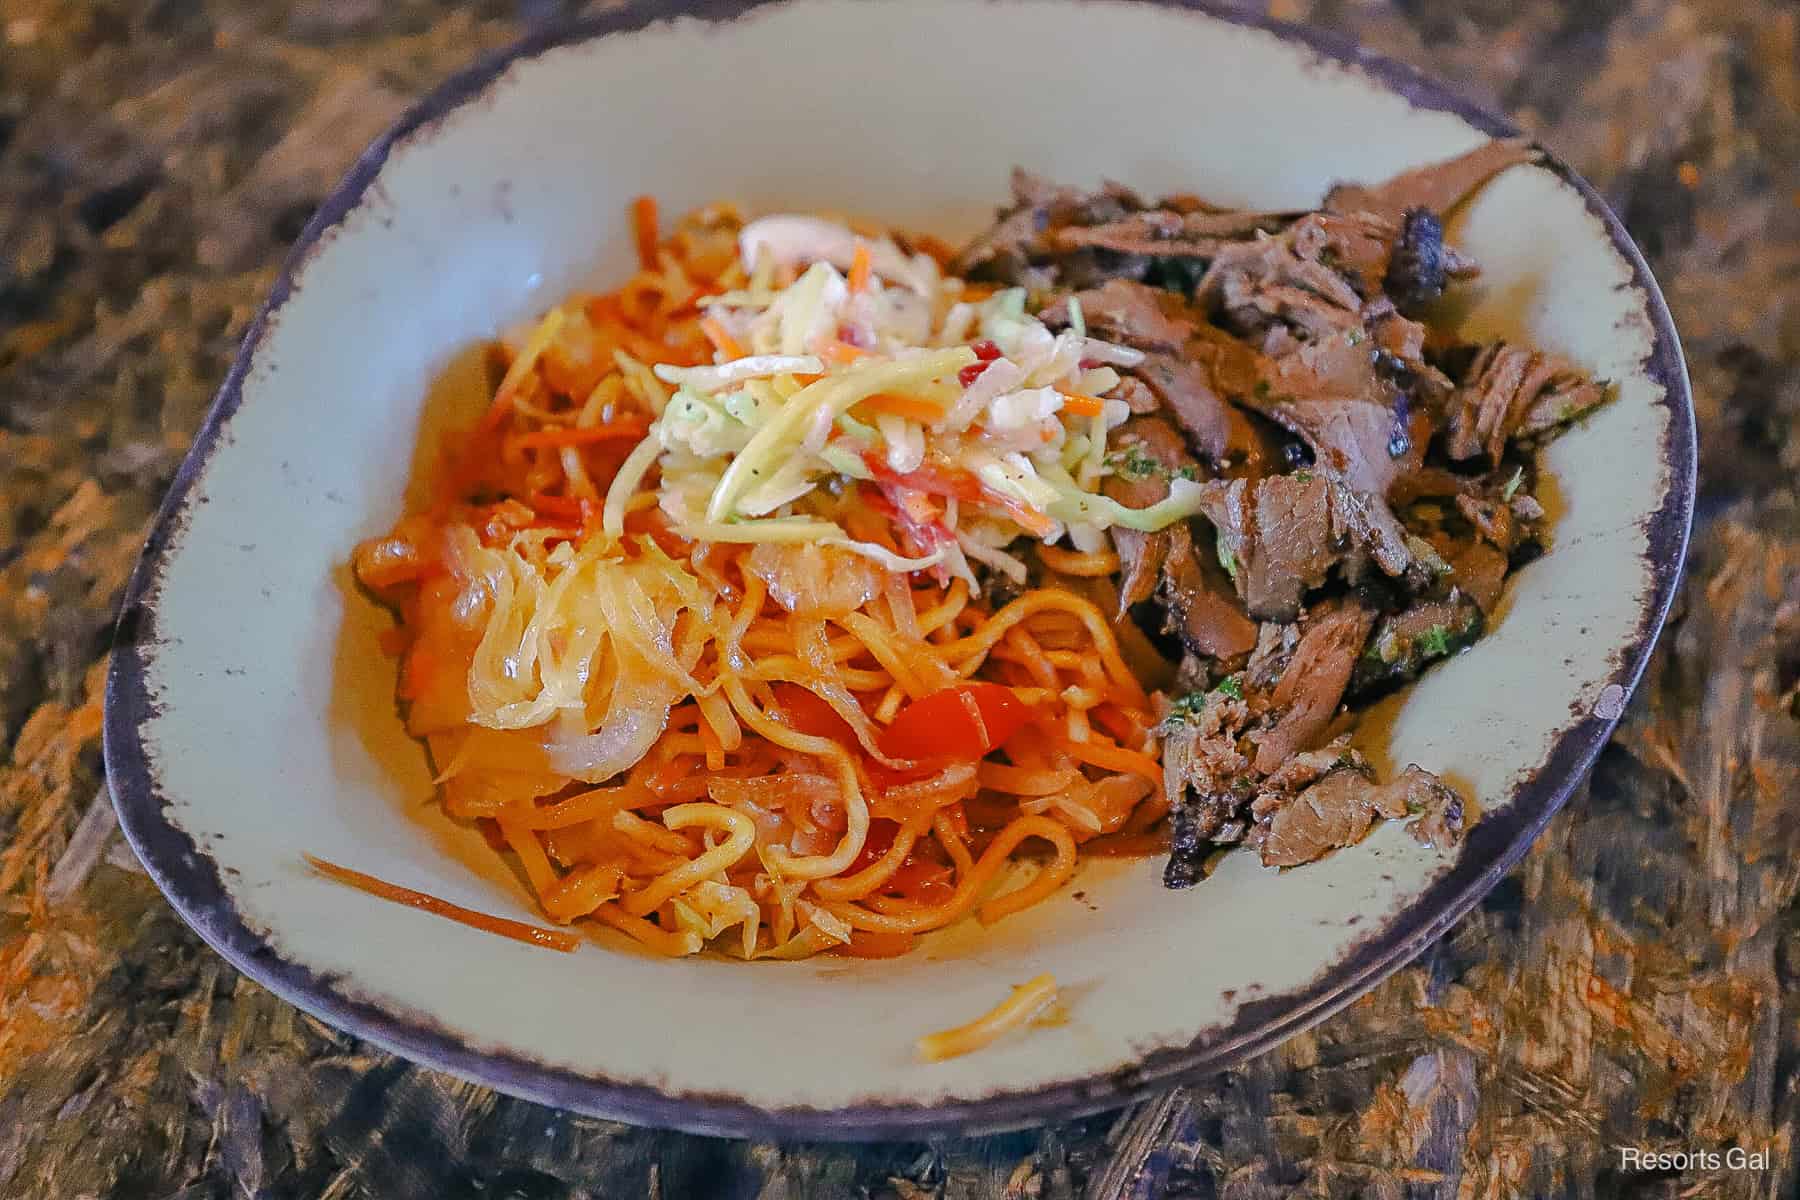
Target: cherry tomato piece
x,y
963,722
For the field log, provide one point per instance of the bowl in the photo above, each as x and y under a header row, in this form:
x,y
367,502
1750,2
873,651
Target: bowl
x,y
250,713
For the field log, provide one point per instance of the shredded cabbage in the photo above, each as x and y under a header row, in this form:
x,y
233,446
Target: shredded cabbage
x,y
755,366
835,394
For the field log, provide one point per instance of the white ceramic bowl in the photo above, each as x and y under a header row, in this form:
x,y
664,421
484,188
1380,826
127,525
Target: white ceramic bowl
x,y
250,713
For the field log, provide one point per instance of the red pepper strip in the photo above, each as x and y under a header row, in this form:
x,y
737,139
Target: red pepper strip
x,y
963,722
806,713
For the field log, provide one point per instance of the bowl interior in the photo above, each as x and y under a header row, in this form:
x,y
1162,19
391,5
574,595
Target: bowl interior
x,y
272,728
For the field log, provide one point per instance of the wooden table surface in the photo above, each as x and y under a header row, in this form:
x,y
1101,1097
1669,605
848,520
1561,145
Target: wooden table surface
x,y
1632,984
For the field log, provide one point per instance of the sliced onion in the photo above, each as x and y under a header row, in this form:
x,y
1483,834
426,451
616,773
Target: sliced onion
x,y
635,718
910,800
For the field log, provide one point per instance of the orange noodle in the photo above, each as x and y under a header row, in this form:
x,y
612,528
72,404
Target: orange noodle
x,y
701,699
1027,1001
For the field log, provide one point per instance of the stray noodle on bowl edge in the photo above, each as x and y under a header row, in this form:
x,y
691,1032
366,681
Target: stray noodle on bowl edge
x,y
785,598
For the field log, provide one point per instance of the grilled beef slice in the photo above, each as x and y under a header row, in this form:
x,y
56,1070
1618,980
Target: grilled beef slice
x,y
1406,642
1124,311
1343,804
1307,695
1279,536
1509,392
1439,187
1197,599
1205,783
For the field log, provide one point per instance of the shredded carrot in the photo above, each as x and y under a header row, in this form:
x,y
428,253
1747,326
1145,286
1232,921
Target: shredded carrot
x,y
843,352
1082,406
1109,754
721,338
620,430
910,407
1024,516
519,931
859,268
643,224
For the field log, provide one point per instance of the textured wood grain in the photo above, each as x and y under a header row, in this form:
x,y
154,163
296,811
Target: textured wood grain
x,y
1632,983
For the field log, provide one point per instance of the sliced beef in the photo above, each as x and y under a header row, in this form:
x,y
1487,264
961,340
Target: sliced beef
x,y
1201,608
1309,691
1299,773
1233,366
1400,353
1372,532
1356,439
1135,235
1021,249
1511,391
1354,420
1440,186
1357,246
1294,547
1337,811
1204,783
1199,605
1432,483
1343,805
1186,390
1169,233
1141,558
1422,264
1128,312
1406,642
1147,450
1275,644
1254,286
1280,536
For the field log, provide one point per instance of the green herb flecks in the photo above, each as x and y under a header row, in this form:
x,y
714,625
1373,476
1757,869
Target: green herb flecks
x,y
1133,464
1435,641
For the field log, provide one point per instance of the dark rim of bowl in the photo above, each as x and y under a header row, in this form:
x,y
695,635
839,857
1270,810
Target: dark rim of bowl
x,y
193,882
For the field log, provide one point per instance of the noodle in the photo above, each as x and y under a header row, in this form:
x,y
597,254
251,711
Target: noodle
x,y
680,738
972,882
1026,1002
1071,562
740,837
517,930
